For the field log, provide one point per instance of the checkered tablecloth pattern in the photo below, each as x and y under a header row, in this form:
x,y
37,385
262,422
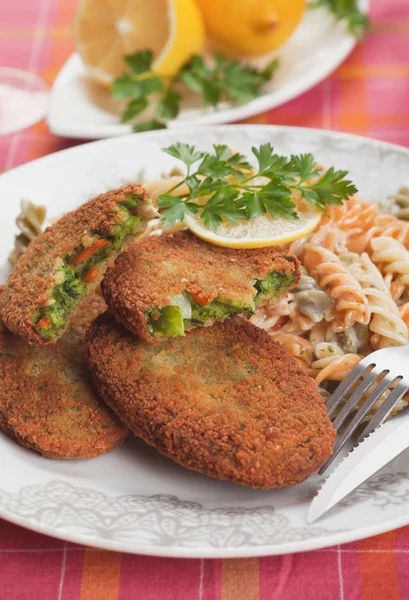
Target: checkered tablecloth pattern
x,y
367,95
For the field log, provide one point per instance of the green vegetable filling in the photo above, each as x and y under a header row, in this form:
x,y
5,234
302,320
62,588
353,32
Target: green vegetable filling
x,y
72,286
273,284
170,321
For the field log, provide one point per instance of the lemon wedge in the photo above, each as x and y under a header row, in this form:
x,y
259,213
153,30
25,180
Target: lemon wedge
x,y
106,31
258,233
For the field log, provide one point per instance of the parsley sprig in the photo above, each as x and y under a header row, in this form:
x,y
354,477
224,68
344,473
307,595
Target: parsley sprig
x,y
227,79
224,185
348,10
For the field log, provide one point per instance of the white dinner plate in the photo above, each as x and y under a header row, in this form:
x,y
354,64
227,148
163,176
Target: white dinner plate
x,y
134,499
81,108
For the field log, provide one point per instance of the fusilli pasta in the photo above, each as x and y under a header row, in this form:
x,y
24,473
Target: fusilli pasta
x,y
397,204
322,263
297,346
332,360
363,222
392,259
386,323
404,313
355,272
335,368
30,223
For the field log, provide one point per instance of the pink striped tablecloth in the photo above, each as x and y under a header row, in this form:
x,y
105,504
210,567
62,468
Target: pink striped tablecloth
x,y
367,95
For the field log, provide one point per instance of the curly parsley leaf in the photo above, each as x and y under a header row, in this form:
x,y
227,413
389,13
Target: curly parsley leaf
x,y
332,189
304,166
222,163
187,154
347,10
227,79
276,197
168,107
221,206
139,63
174,209
124,87
134,108
269,162
208,185
148,126
270,69
242,84
224,79
195,74
253,204
233,159
226,187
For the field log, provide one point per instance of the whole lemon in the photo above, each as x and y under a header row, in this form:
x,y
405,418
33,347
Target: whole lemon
x,y
247,28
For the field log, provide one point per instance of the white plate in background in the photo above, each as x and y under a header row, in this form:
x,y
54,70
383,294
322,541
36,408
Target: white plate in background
x,y
81,108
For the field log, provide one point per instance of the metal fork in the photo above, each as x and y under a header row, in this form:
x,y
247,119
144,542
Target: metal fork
x,y
389,366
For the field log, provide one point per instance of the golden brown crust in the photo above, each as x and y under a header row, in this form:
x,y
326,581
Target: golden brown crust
x,y
3,423
86,313
31,281
149,273
47,399
226,401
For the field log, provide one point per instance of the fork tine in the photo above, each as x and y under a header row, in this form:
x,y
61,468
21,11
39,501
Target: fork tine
x,y
385,409
356,397
363,411
346,385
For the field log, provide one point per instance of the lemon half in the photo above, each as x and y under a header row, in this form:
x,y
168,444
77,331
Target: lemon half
x,y
106,31
258,233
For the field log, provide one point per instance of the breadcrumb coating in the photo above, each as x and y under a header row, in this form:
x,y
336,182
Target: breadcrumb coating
x,y
225,401
150,273
47,399
34,276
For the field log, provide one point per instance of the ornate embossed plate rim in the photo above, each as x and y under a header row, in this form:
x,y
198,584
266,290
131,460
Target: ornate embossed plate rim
x,y
325,537
315,542
318,537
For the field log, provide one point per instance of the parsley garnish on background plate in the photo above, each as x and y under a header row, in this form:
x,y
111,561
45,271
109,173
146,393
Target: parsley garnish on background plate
x,y
224,186
348,10
215,81
225,79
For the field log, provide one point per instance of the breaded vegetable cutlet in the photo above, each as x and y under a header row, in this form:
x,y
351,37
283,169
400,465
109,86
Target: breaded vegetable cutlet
x,y
66,262
226,401
167,285
3,423
47,399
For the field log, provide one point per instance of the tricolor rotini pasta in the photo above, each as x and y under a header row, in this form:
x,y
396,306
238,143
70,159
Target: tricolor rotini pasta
x,y
386,323
324,264
362,222
397,204
392,259
30,223
353,295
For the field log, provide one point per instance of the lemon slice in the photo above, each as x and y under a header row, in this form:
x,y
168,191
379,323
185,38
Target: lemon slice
x,y
260,232
107,30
